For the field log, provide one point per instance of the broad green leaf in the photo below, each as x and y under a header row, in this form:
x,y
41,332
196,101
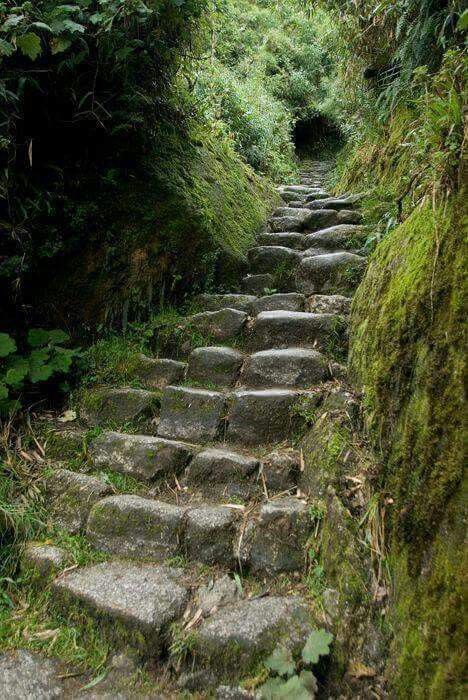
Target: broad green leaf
x,y
6,49
58,337
317,645
7,345
59,44
462,24
38,357
12,21
40,373
3,392
292,689
41,25
61,362
309,681
271,688
73,27
30,45
281,662
17,371
38,337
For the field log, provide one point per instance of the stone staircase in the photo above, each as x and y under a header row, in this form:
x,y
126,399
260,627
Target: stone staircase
x,y
222,475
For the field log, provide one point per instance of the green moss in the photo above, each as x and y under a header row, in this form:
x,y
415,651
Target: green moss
x,y
407,354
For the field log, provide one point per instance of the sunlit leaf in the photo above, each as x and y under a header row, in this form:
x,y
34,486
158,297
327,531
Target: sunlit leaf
x,y
281,662
7,345
317,645
30,45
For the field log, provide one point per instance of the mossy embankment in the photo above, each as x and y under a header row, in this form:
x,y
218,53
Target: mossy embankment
x,y
407,362
181,225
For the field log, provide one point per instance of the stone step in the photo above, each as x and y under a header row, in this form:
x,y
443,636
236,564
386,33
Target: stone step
x,y
302,189
158,373
341,236
146,529
283,329
258,284
290,219
291,367
336,202
118,405
140,599
141,456
329,304
216,302
258,417
234,638
287,239
196,415
273,259
333,273
220,325
70,497
217,365
289,301
222,473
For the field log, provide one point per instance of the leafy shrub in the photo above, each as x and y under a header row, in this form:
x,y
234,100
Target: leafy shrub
x,y
46,358
294,678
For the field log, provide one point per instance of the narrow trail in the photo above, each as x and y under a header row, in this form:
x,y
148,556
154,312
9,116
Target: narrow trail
x,y
222,478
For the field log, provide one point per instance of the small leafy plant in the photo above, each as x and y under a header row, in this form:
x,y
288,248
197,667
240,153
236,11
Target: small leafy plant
x,y
46,356
294,679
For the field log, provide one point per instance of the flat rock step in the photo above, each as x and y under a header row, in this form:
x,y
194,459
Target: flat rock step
x,y
142,598
342,236
195,415
338,273
118,405
157,373
231,641
215,365
268,539
289,301
291,367
286,239
219,472
220,325
273,259
283,329
258,284
216,302
140,456
245,417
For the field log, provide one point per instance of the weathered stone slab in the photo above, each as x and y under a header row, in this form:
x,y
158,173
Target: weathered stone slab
x,y
329,304
321,218
26,676
337,203
218,471
286,239
217,365
289,197
223,324
191,414
44,559
279,302
143,598
348,216
289,219
273,259
71,496
335,273
210,533
275,542
281,470
158,373
283,329
217,594
258,284
216,302
341,236
315,196
132,526
234,638
290,367
262,416
119,405
141,456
